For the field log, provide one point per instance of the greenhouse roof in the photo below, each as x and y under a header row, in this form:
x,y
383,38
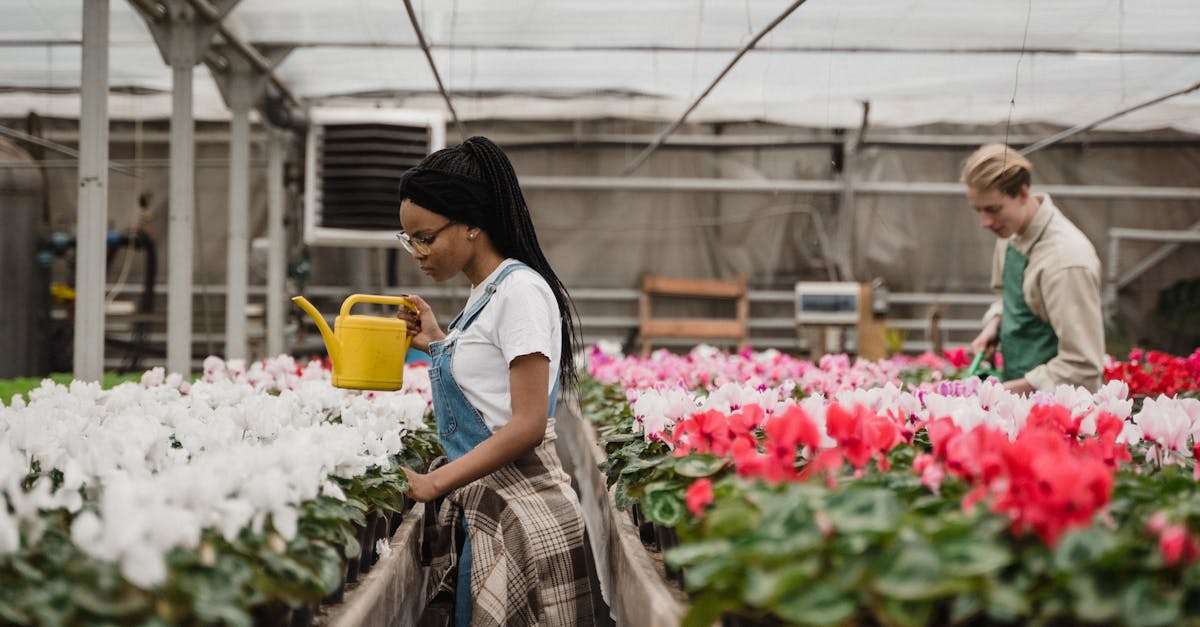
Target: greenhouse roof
x,y
915,61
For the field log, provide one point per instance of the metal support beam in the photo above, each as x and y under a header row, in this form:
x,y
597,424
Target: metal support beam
x,y
645,154
88,364
238,250
277,245
216,16
1150,261
1079,128
664,184
412,17
845,235
1114,282
182,38
242,85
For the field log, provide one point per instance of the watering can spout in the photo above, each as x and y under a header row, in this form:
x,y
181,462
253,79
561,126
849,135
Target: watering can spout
x,y
332,344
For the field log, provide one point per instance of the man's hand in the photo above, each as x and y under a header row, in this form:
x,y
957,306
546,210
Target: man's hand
x,y
987,338
1018,386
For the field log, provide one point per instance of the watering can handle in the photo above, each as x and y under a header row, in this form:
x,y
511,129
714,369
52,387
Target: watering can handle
x,y
974,369
377,299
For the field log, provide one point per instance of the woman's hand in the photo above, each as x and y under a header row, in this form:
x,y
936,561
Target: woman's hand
x,y
421,487
422,324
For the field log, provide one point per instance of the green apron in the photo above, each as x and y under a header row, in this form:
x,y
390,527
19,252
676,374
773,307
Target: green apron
x,y
1026,341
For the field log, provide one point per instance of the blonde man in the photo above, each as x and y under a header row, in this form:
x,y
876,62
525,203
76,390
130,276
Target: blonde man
x,y
1048,322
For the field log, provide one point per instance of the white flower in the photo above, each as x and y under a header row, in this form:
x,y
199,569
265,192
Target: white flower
x,y
10,532
383,547
1165,421
143,566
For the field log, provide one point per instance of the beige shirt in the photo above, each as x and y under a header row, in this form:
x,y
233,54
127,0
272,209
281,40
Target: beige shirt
x,y
1062,287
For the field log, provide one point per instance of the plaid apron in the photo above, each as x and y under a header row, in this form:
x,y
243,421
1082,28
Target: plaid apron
x,y
522,561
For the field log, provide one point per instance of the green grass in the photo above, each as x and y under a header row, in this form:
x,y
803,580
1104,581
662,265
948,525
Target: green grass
x,y
22,385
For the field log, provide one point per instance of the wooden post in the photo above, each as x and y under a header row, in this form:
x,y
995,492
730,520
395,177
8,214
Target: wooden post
x,y
872,338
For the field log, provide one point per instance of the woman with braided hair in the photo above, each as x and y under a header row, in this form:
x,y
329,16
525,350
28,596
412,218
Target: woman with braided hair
x,y
496,373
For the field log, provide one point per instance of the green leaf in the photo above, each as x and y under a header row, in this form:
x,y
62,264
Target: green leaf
x,y
102,605
697,466
223,613
864,510
706,609
972,557
664,507
1079,551
1089,602
764,588
1144,605
13,614
906,613
964,607
1007,601
692,553
912,571
641,463
732,520
821,604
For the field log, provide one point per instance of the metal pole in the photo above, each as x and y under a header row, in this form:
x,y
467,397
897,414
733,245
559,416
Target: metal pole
x,y
276,253
248,52
181,228
1151,260
1110,283
239,209
1074,130
92,213
412,17
658,141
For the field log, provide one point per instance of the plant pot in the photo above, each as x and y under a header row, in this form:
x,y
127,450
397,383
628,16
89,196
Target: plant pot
x,y
666,538
303,616
737,620
366,538
383,528
352,563
271,615
396,518
339,595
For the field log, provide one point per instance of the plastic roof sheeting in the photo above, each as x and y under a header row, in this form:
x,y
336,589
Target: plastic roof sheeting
x,y
915,61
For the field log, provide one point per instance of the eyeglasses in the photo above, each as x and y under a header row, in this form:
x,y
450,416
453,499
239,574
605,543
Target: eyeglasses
x,y
420,244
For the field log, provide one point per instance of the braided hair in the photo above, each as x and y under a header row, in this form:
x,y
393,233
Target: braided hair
x,y
474,183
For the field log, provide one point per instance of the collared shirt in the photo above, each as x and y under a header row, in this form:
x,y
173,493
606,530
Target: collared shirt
x,y
1062,287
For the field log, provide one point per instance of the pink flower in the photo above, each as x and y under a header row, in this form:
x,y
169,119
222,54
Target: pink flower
x,y
1177,545
699,495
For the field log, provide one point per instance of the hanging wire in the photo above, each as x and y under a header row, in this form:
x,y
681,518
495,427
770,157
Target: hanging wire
x,y
1012,103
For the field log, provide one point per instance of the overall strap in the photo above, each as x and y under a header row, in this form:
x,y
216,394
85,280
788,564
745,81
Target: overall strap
x,y
468,316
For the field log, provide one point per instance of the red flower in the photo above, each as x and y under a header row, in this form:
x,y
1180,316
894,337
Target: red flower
x,y
957,357
699,495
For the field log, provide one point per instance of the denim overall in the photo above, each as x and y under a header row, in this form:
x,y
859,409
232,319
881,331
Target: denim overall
x,y
460,426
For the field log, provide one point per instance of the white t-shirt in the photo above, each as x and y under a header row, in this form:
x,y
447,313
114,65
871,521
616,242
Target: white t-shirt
x,y
520,319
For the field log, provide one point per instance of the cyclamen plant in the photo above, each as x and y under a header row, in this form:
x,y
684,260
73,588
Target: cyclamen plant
x,y
925,495
145,470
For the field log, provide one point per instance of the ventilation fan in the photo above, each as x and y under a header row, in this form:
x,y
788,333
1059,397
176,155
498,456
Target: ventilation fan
x,y
353,162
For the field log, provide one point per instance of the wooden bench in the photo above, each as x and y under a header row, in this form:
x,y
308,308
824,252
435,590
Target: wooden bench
x,y
651,328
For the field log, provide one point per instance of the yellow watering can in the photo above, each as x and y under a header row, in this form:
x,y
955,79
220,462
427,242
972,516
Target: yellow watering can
x,y
367,352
